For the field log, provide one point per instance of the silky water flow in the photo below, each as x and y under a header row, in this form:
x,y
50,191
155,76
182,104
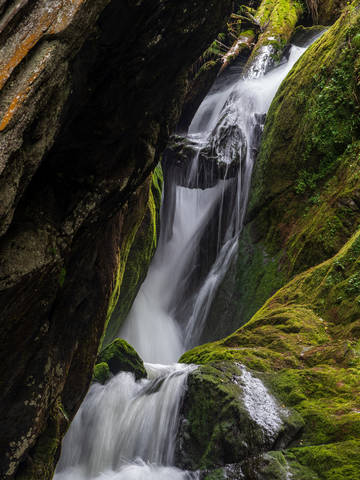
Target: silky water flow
x,y
126,430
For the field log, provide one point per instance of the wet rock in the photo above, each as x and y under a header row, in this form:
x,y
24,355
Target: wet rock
x,y
101,373
229,472
121,357
228,416
302,34
179,158
88,100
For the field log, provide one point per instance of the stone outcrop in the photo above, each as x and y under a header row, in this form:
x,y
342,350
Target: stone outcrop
x,y
120,357
89,94
229,415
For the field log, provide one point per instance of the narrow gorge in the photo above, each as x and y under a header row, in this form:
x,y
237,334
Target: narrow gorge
x,y
179,250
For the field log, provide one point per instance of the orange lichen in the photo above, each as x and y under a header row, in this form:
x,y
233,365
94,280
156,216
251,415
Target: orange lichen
x,y
53,20
25,44
20,97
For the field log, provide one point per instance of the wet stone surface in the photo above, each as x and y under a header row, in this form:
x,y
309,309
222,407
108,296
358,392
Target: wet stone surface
x,y
228,416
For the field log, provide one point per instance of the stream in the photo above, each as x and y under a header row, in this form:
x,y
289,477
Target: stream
x,y
127,430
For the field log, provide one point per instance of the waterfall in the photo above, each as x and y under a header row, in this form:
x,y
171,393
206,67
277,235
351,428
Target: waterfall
x,y
125,429
169,313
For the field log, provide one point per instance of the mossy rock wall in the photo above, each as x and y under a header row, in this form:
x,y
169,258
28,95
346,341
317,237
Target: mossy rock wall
x,y
88,100
305,198
136,257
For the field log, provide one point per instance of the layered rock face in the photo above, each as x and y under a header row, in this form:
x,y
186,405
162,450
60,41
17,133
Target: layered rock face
x,y
90,92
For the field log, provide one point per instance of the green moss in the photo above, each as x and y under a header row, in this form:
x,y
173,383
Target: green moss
x,y
135,256
356,41
121,357
305,340
278,18
62,276
338,461
304,199
317,101
101,373
218,427
262,273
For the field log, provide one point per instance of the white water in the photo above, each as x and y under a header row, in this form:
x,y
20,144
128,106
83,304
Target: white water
x,y
150,326
126,430
261,405
225,122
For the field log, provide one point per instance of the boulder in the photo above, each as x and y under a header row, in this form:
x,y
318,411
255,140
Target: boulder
x,y
229,415
120,357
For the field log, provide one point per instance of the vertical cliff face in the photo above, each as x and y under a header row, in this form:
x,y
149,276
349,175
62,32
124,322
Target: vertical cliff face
x,y
90,92
137,257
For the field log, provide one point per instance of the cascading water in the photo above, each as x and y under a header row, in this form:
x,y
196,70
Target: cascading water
x,y
125,429
167,318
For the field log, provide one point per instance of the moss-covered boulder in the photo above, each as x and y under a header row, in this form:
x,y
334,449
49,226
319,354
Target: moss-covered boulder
x,y
119,356
229,415
101,373
305,340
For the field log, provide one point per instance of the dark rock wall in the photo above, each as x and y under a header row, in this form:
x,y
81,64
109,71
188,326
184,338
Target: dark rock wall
x,y
136,258
90,92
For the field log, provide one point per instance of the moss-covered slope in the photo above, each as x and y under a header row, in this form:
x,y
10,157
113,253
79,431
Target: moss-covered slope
x,y
305,340
304,203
